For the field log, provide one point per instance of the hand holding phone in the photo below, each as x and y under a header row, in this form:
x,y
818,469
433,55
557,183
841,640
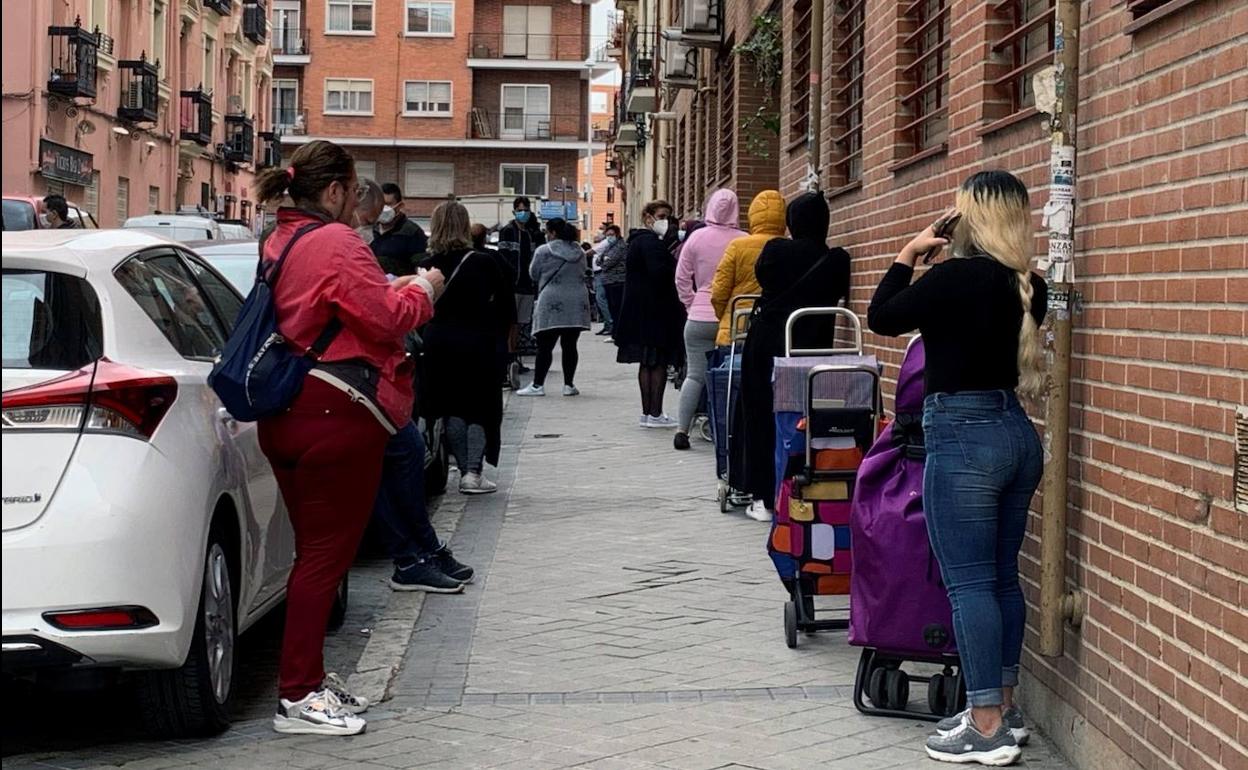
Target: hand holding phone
x,y
942,228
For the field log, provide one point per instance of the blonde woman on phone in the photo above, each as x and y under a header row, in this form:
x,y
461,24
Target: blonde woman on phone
x,y
979,312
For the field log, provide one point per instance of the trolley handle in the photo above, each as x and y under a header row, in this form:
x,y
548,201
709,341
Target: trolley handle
x,y
834,312
877,399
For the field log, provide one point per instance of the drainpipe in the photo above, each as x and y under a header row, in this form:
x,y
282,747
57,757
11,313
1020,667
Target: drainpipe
x,y
1058,95
814,140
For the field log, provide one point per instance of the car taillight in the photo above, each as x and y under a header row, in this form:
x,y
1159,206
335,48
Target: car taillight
x,y
103,619
105,397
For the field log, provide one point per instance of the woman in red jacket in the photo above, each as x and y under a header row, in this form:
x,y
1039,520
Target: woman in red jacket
x,y
327,448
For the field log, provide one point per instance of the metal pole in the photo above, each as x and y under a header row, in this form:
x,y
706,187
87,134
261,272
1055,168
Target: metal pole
x,y
814,139
1056,605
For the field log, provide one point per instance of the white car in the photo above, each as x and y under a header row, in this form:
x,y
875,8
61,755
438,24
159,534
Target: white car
x,y
177,227
143,527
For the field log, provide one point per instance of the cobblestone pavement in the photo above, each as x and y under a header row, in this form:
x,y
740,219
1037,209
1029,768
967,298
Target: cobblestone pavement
x,y
619,621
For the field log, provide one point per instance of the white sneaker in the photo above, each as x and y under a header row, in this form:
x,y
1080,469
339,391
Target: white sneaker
x,y
531,390
758,511
318,713
662,421
570,390
337,686
476,484
643,421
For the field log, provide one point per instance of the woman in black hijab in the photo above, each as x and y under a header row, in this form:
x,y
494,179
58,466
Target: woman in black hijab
x,y
797,273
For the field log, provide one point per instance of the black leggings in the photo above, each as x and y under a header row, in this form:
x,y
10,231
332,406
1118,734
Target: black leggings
x,y
653,382
546,354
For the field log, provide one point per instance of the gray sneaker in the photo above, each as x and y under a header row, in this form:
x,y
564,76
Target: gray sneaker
x,y
1013,718
965,745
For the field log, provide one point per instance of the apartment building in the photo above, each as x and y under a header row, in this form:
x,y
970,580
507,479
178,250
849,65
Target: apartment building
x,y
915,96
601,197
472,98
129,107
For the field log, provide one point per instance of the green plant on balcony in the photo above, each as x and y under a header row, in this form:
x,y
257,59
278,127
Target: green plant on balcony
x,y
765,53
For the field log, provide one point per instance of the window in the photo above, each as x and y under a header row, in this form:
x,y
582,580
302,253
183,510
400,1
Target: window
x,y
526,112
349,17
287,28
51,320
926,102
348,97
91,196
727,114
153,199
523,180
429,180
123,200
425,97
285,103
1027,47
159,22
528,32
611,193
99,16
598,102
366,169
165,290
850,18
430,18
210,63
224,298
799,72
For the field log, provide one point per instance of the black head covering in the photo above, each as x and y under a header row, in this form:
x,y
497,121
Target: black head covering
x,y
808,217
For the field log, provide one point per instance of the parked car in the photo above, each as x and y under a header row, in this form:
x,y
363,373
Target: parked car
x,y
233,231
176,227
143,528
237,261
21,212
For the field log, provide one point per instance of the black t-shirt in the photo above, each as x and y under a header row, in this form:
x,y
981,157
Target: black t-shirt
x,y
399,248
969,312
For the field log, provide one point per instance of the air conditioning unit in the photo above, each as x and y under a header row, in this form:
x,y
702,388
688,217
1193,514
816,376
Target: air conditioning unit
x,y
702,23
680,63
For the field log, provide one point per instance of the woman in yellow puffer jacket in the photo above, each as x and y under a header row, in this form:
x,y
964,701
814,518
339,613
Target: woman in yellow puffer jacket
x,y
735,274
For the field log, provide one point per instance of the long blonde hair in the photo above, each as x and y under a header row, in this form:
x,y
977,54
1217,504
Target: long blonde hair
x,y
996,221
450,228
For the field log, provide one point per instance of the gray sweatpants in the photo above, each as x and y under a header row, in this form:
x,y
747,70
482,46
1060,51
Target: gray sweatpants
x,y
699,340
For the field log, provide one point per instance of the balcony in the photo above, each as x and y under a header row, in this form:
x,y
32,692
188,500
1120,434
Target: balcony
x,y
73,66
290,120
240,138
139,90
640,85
270,149
255,21
526,126
195,116
524,51
290,46
220,6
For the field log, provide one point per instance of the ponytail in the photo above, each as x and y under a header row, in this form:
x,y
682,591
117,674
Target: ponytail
x,y
313,167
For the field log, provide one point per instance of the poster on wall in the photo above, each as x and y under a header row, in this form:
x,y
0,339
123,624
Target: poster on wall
x,y
65,164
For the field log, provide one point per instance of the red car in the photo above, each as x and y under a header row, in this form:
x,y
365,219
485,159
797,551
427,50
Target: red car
x,y
21,212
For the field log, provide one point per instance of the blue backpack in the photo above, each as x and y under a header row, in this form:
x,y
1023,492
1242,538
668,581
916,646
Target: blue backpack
x,y
258,374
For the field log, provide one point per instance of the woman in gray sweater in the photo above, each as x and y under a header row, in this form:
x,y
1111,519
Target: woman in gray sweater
x,y
562,309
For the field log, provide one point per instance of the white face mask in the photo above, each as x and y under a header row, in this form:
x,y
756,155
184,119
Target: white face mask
x,y
387,215
659,227
680,235
44,222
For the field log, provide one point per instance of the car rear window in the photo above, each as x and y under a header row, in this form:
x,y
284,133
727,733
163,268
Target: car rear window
x,y
51,321
18,215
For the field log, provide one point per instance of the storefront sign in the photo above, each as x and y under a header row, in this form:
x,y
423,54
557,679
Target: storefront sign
x,y
56,161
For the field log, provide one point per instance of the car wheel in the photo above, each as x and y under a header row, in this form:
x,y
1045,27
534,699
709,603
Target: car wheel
x,y
338,612
194,700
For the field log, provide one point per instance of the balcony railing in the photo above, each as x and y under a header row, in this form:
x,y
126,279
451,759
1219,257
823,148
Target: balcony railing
x,y
255,20
270,149
520,125
73,67
139,99
220,6
240,139
290,120
195,121
520,45
290,41
641,57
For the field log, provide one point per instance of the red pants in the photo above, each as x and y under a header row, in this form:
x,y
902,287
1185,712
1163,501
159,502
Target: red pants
x,y
327,455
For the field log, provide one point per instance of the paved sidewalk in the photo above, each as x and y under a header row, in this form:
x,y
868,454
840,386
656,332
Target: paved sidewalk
x,y
619,621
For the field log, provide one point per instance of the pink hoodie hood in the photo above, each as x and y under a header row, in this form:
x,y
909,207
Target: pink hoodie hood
x,y
702,252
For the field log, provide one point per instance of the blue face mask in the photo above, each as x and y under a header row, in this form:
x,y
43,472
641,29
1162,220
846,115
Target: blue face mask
x,y
522,217
611,239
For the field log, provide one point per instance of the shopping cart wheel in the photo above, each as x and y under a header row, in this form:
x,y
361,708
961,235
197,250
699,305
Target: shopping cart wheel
x,y
937,690
875,688
725,506
513,375
790,624
897,689
705,430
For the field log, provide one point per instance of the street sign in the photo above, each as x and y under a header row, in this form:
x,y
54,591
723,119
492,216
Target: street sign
x,y
56,161
556,209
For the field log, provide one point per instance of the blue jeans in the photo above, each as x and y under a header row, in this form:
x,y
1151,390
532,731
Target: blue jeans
x,y
400,509
984,462
600,298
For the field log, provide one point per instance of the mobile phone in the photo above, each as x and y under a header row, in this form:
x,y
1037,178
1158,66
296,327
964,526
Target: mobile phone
x,y
943,228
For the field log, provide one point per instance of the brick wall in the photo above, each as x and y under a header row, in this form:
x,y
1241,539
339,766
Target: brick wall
x,y
1159,669
569,98
569,27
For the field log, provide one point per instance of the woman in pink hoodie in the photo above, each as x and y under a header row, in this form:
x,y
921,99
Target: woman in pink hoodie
x,y
699,257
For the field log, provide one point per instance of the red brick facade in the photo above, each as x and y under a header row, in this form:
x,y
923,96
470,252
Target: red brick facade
x,y
1158,672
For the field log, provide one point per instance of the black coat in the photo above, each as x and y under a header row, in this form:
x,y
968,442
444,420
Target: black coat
x,y
516,243
784,272
652,315
459,365
399,248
